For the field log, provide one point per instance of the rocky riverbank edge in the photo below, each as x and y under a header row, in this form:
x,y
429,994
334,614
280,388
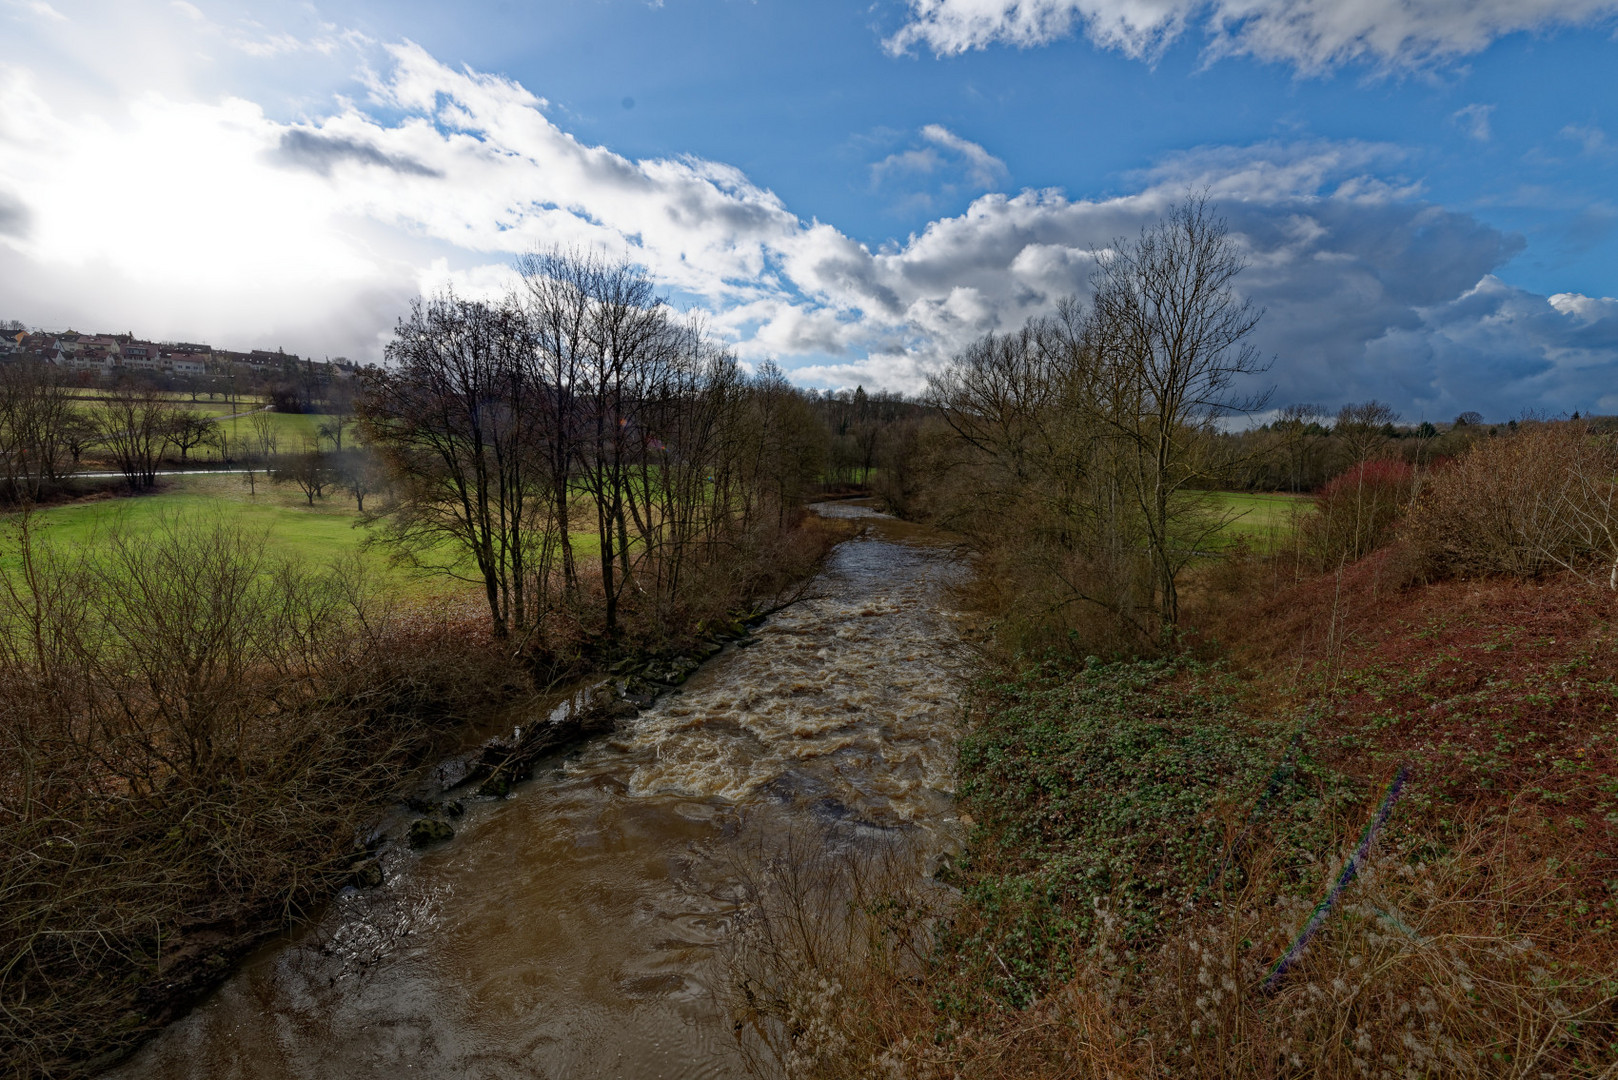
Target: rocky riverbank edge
x,y
632,685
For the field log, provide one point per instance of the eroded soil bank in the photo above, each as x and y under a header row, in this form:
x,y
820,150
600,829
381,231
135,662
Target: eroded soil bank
x,y
572,929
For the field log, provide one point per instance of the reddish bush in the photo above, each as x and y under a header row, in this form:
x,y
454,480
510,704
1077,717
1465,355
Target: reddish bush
x,y
1355,513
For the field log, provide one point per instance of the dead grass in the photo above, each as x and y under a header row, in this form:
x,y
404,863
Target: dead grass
x,y
1478,939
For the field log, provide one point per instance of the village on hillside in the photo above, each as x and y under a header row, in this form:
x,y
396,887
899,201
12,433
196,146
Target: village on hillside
x,y
180,365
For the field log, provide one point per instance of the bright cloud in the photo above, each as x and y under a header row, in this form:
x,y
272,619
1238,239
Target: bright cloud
x,y
1311,34
314,233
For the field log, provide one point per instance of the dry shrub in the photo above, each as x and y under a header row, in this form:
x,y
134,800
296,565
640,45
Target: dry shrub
x,y
1355,513
823,971
1543,499
1450,965
1442,961
192,732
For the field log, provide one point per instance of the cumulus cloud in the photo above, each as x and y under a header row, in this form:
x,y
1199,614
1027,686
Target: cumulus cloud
x,y
1310,34
1502,350
314,234
1475,121
319,153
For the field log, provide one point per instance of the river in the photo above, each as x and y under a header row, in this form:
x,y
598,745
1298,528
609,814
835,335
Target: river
x,y
572,930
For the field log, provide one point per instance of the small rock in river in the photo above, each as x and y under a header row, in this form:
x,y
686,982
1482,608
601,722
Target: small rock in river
x,y
623,710
424,831
367,875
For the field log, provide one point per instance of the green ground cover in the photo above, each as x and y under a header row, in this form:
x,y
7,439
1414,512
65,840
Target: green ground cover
x,y
1263,520
330,529
1112,788
327,530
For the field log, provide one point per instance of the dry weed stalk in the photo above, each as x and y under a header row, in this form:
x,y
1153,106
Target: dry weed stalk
x,y
1448,964
190,734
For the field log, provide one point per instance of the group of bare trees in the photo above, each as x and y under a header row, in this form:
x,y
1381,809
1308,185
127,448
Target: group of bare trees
x,y
579,403
41,434
46,430
1083,441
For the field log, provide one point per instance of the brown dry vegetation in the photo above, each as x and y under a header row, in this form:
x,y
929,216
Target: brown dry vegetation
x,y
196,737
1136,870
193,736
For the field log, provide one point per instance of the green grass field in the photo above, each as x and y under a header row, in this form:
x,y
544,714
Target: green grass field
x,y
294,432
1262,520
318,534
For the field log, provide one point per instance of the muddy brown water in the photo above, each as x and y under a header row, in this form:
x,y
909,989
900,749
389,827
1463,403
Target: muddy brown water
x,y
572,929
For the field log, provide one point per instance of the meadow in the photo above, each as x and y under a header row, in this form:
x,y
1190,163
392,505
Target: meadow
x,y
1263,520
331,529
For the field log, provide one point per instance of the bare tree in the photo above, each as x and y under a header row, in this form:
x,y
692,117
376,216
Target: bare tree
x,y
39,429
1172,333
452,418
265,437
189,429
310,471
360,473
134,426
1364,429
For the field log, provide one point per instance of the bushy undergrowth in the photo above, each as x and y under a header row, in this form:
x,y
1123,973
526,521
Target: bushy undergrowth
x,y
1543,500
1356,512
192,732
1118,791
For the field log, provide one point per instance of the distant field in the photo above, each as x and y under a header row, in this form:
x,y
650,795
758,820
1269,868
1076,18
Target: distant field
x,y
319,533
294,432
1263,520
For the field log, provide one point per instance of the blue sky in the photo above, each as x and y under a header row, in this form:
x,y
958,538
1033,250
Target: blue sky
x,y
1425,189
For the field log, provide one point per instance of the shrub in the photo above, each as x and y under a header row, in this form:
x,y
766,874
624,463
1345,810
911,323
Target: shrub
x,y
192,732
1356,513
1541,500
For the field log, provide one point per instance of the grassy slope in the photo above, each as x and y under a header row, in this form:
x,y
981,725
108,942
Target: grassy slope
x,y
329,529
1262,520
1131,786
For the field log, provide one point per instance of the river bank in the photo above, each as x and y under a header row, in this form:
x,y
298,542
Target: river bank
x,y
1375,838
152,844
575,926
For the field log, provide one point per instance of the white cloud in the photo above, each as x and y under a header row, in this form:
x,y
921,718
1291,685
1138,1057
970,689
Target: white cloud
x,y
314,234
941,168
1310,34
985,169
1475,121
1592,139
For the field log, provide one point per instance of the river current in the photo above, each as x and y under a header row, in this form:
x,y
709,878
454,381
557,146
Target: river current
x,y
573,929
